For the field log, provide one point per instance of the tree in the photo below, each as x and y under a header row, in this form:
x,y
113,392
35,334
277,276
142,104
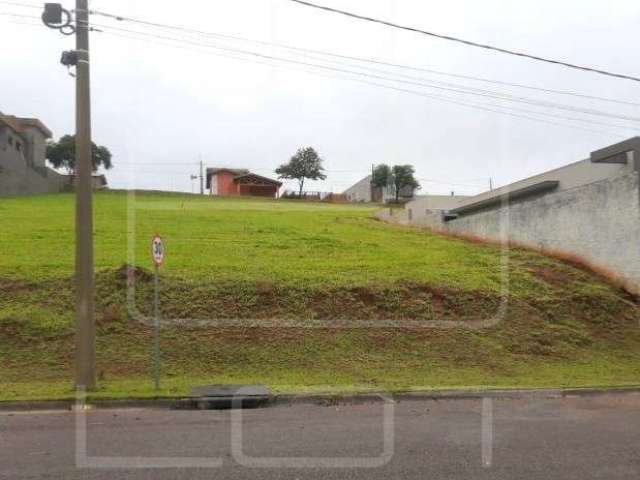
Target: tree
x,y
396,178
381,177
402,177
306,163
62,154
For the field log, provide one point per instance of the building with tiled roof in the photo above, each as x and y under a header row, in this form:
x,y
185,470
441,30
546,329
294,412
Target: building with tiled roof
x,y
226,182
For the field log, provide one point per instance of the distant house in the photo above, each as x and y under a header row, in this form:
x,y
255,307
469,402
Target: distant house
x,y
364,191
23,145
228,182
23,150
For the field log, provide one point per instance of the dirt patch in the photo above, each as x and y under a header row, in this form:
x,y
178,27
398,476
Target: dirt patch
x,y
266,288
110,314
10,285
365,294
130,273
552,276
560,324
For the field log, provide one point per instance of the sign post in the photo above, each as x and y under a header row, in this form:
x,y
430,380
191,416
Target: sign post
x,y
157,254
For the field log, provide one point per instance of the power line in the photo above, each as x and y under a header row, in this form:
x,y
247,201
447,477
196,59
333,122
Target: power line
x,y
16,15
481,106
442,182
450,86
456,89
347,57
491,109
358,59
324,67
466,77
422,94
189,165
192,164
27,24
332,179
468,42
460,89
19,4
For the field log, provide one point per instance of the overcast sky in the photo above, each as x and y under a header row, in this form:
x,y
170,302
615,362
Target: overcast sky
x,y
160,108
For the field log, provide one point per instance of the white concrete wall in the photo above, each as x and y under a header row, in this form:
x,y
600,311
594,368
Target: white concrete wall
x,y
359,192
427,210
570,176
599,221
594,212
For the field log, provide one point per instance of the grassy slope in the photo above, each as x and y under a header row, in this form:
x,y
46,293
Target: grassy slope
x,y
253,259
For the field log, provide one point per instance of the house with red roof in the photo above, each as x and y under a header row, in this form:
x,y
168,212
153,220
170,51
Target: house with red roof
x,y
229,182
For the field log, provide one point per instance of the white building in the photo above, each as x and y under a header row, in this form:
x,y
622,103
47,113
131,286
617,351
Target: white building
x,y
364,191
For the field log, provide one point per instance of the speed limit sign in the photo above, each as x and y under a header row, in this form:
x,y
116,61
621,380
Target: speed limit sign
x,y
157,250
157,254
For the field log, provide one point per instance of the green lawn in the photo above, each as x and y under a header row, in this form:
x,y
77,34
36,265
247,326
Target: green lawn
x,y
238,240
276,292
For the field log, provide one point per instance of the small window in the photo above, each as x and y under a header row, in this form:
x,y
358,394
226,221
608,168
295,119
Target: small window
x,y
11,141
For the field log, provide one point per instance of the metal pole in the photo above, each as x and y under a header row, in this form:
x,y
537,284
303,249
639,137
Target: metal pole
x,y
201,178
156,330
85,324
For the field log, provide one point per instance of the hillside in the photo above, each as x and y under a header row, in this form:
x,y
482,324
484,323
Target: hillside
x,y
298,296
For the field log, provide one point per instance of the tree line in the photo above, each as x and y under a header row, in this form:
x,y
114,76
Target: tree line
x,y
304,165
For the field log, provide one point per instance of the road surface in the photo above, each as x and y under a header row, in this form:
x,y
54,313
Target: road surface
x,y
571,438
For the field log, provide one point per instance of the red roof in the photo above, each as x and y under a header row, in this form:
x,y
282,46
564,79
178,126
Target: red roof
x,y
239,175
260,178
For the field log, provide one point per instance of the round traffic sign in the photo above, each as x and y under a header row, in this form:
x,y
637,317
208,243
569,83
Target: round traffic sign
x,y
157,250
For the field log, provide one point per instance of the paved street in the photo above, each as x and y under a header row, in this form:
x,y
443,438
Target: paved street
x,y
572,438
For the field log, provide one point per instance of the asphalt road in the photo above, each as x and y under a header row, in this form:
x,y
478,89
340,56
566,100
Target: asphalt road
x,y
571,438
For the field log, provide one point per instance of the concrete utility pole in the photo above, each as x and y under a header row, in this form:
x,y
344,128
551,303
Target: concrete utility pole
x,y
201,177
85,287
57,18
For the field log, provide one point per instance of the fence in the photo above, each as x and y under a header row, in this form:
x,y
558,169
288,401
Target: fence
x,y
314,196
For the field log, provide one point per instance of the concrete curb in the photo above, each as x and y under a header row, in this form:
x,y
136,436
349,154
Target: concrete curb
x,y
325,399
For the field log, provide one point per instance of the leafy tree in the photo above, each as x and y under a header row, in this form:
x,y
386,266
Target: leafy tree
x,y
306,163
381,177
62,154
403,176
396,177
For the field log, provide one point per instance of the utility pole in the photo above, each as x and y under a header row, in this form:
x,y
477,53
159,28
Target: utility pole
x,y
201,177
85,288
490,184
371,190
57,18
